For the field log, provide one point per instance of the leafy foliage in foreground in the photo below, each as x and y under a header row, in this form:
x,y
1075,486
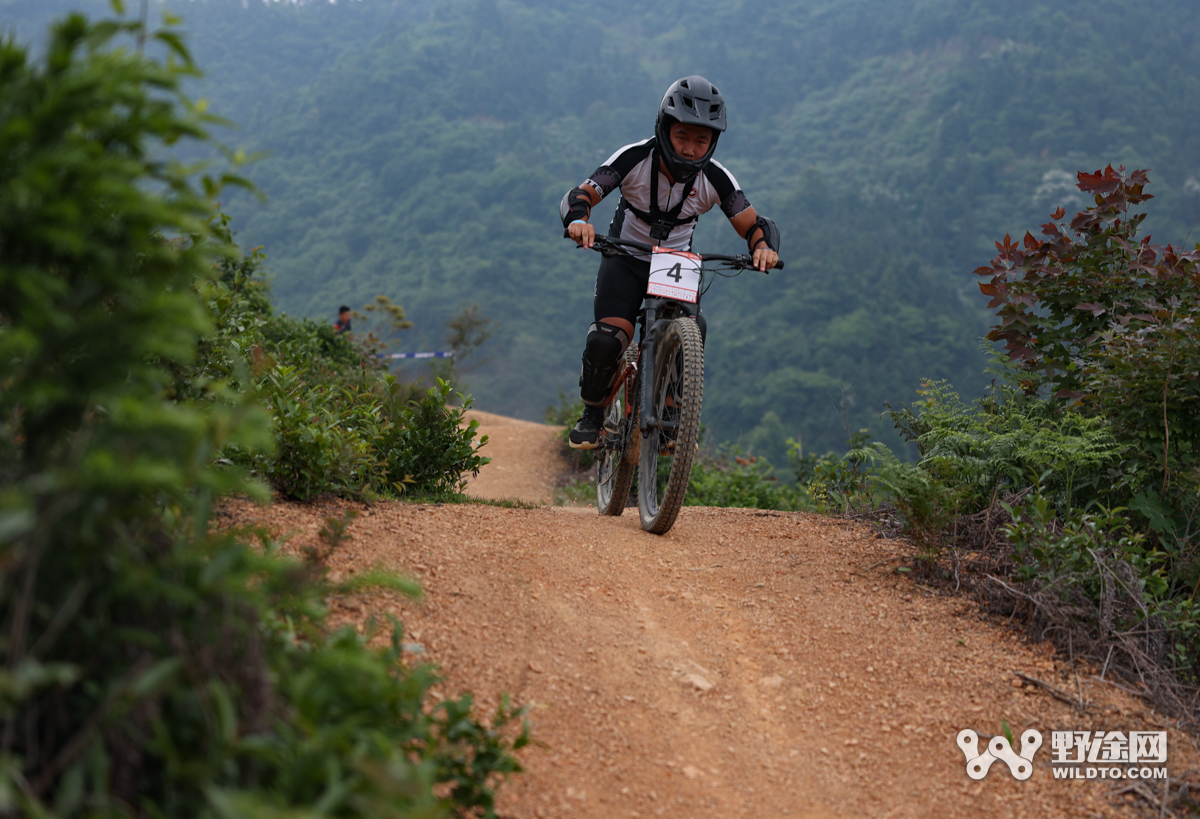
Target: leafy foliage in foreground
x,y
151,667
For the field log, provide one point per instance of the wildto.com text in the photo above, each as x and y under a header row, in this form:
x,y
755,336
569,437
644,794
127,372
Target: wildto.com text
x,y
1076,754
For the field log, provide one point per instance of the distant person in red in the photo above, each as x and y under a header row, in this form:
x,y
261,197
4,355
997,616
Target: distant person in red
x,y
343,322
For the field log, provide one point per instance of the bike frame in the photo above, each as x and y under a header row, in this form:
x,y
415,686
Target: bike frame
x,y
650,327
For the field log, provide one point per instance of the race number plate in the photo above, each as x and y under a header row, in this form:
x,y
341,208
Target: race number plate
x,y
674,274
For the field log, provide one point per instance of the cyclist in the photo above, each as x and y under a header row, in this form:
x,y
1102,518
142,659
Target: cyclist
x,y
666,183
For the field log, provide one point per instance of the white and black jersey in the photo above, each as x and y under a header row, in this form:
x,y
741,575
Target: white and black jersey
x,y
630,169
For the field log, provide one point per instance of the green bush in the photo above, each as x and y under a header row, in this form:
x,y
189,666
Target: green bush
x,y
1106,583
841,484
322,436
369,436
576,492
927,504
325,356
425,444
829,483
1107,323
974,457
732,478
151,667
1006,442
1060,550
342,424
1145,382
1086,450
729,477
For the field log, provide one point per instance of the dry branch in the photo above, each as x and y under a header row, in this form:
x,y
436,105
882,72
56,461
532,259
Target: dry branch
x,y
1054,691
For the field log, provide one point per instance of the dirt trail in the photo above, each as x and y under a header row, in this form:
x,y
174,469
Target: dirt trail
x,y
747,664
525,461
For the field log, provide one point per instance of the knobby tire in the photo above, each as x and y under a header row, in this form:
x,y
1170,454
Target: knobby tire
x,y
678,373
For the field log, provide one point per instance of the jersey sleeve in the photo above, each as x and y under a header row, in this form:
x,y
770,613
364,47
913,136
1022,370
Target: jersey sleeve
x,y
609,176
733,201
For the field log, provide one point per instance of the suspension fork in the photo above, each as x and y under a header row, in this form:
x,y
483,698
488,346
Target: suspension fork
x,y
648,420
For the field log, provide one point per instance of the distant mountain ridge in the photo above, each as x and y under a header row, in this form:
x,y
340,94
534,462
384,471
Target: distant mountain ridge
x,y
419,149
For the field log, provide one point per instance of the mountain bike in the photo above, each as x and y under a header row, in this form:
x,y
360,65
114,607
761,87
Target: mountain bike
x,y
652,416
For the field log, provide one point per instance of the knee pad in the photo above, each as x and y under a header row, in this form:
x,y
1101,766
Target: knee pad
x,y
601,361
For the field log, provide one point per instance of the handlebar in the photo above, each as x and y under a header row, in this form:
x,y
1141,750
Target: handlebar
x,y
608,242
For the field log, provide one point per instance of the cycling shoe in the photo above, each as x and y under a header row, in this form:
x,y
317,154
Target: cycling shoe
x,y
586,433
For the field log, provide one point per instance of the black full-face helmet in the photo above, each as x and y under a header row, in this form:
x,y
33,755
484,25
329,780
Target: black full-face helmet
x,y
691,101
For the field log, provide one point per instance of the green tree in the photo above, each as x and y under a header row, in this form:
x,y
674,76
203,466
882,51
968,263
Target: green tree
x,y
1106,321
149,666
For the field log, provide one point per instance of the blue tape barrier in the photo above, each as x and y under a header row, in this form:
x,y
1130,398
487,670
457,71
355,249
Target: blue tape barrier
x,y
445,354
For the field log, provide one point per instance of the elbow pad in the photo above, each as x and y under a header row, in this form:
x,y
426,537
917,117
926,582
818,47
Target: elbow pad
x,y
575,205
770,234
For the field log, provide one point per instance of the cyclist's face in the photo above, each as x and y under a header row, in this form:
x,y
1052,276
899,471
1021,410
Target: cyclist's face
x,y
690,141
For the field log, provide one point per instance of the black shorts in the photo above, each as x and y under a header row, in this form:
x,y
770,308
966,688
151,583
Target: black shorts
x,y
621,288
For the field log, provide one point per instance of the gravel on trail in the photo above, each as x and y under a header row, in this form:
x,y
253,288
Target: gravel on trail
x,y
525,459
746,664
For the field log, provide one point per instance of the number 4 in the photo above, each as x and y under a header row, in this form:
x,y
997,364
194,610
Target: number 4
x,y
675,273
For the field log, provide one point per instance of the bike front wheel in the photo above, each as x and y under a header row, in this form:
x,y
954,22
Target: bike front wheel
x,y
667,453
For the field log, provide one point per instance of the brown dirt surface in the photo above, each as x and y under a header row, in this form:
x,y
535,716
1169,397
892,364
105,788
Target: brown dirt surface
x,y
746,664
525,464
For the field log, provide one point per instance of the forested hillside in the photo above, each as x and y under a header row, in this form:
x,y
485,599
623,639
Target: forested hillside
x,y
418,148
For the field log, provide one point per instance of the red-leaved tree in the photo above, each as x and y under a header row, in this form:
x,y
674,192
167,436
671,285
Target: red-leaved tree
x,y
1108,323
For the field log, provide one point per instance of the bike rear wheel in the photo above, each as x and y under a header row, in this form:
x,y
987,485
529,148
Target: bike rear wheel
x,y
614,467
676,395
